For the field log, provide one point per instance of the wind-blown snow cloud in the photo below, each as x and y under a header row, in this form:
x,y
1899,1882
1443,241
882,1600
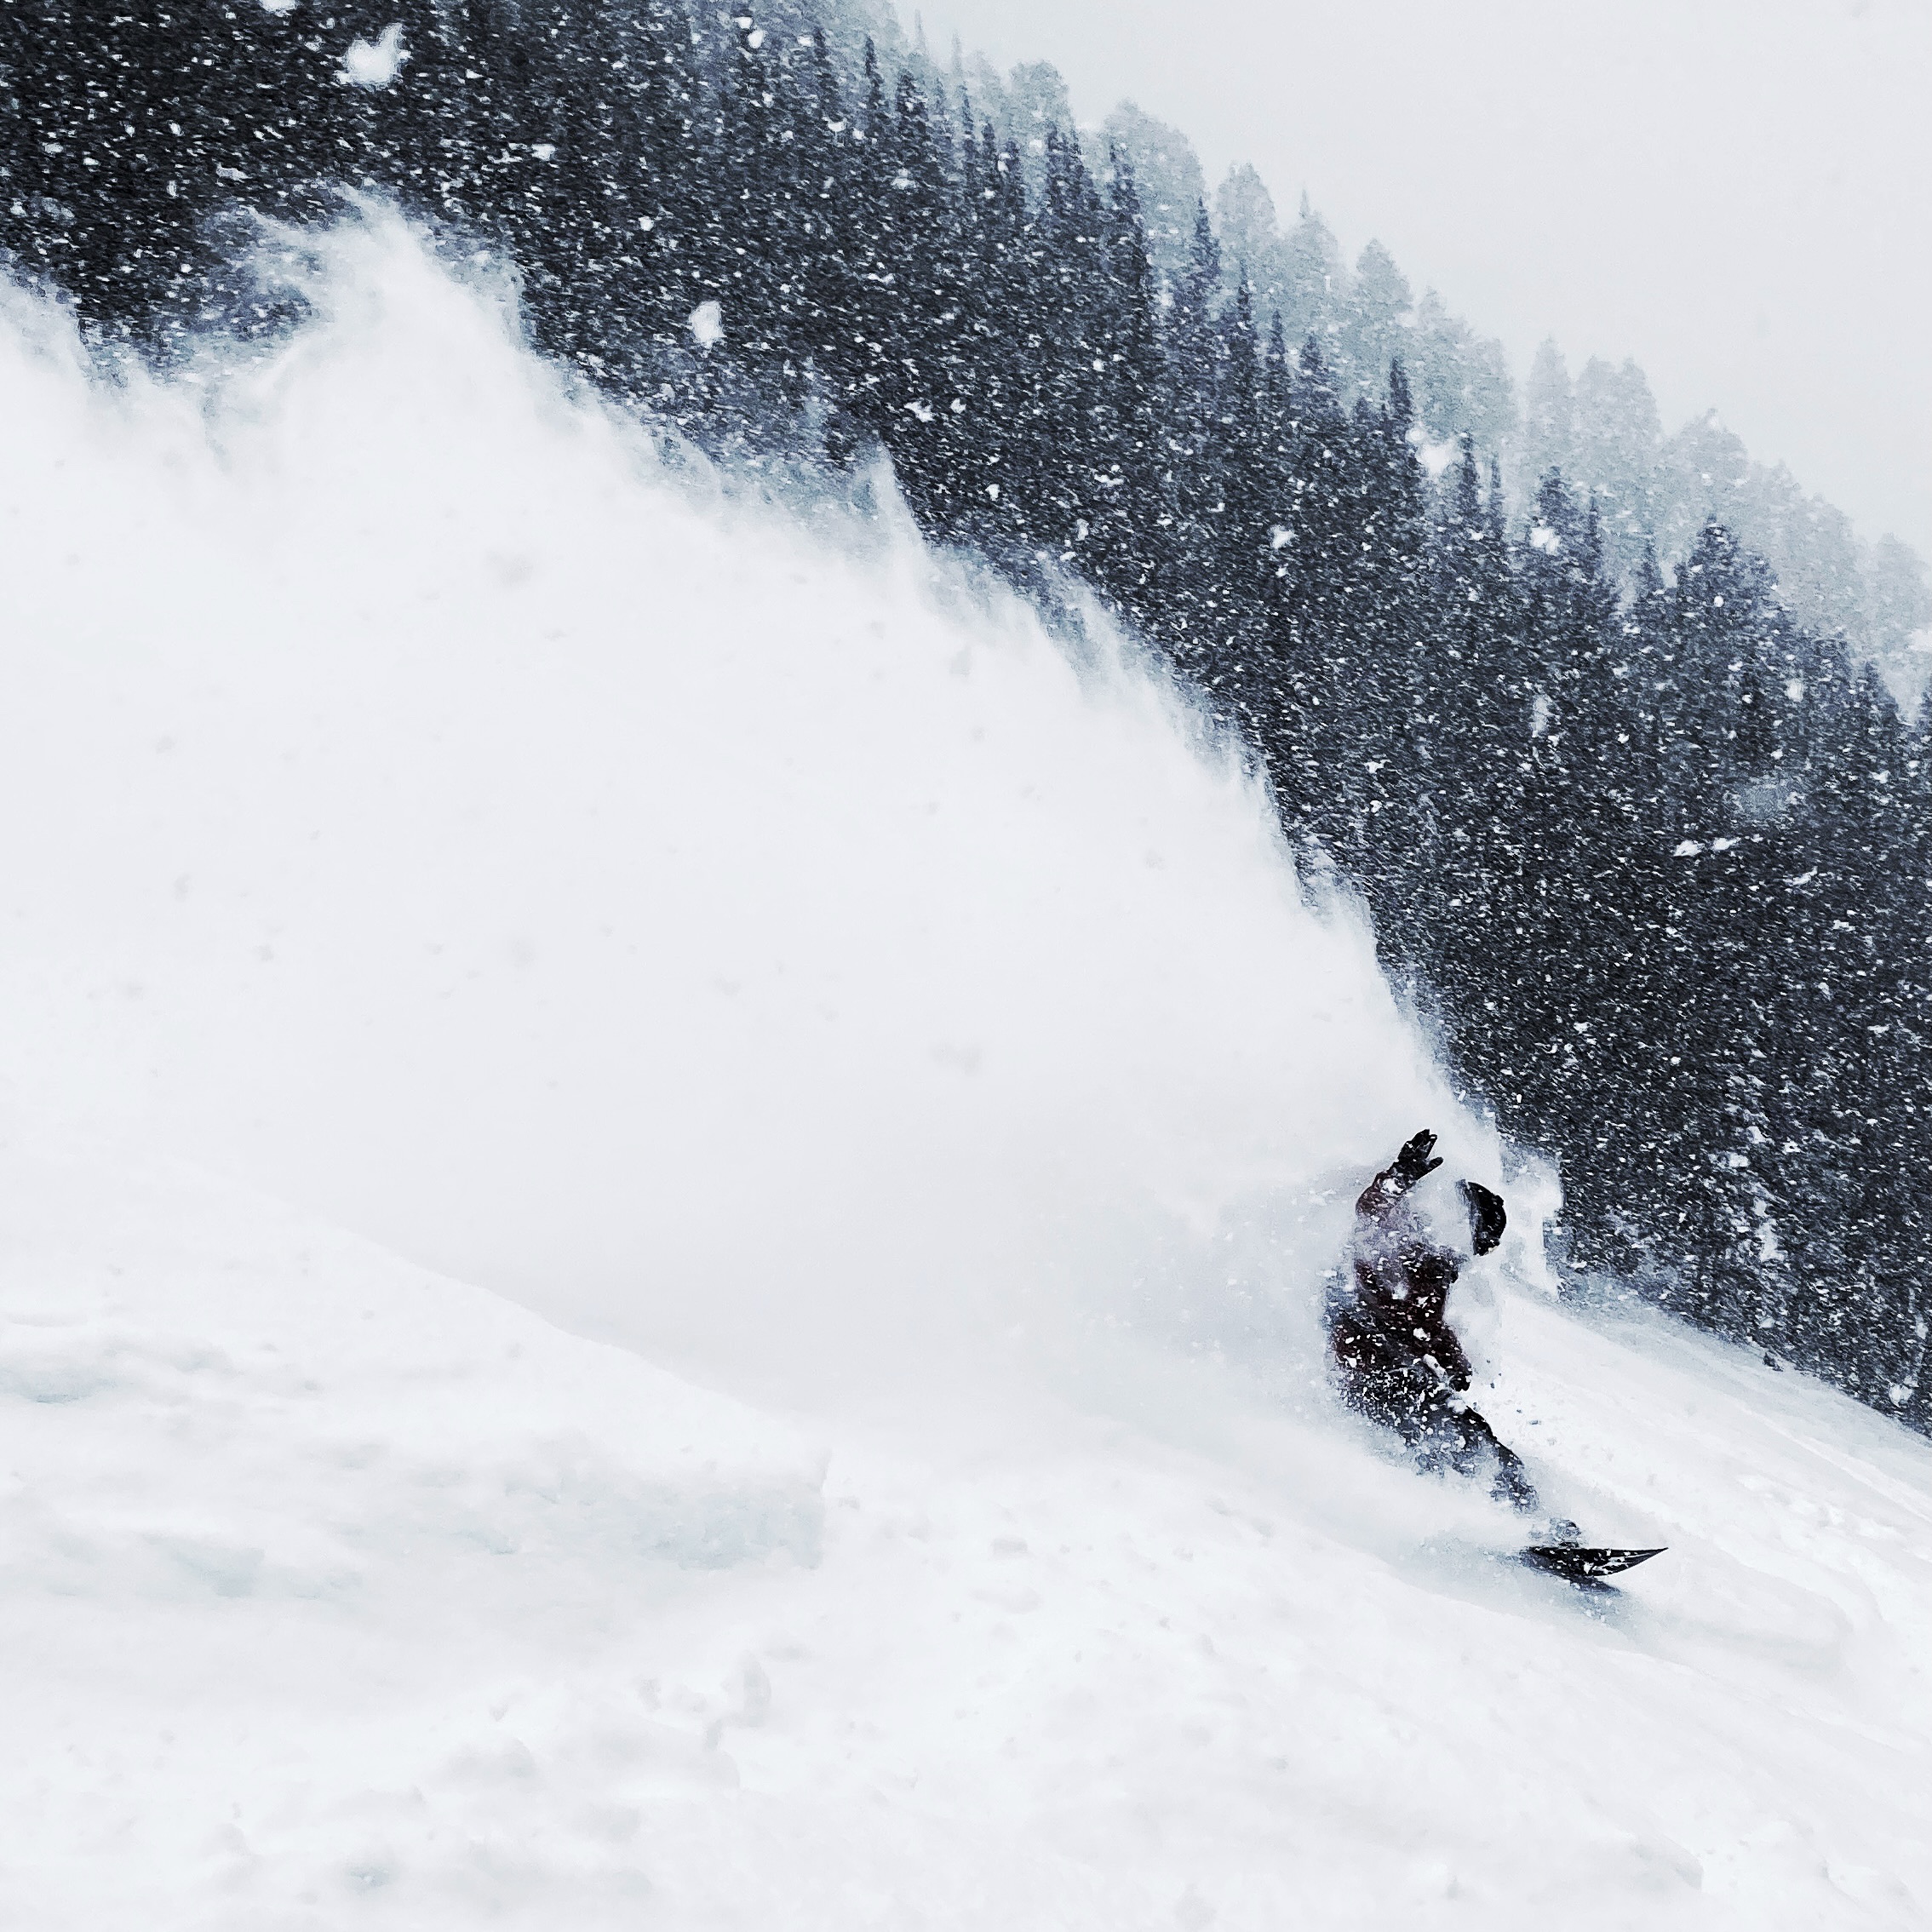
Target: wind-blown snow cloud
x,y
418,802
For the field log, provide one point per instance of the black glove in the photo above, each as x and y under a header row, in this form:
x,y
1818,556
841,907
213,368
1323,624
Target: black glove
x,y
1413,1162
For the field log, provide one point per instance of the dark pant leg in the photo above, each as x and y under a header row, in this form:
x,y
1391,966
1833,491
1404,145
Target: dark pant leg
x,y
1408,1396
1454,1437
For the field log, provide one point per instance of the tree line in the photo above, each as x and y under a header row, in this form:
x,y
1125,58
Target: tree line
x,y
1652,855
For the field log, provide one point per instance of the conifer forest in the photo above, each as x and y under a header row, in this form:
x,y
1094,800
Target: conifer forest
x,y
1638,823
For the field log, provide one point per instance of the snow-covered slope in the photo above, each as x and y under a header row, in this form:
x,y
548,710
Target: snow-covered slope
x,y
907,1049
334,1592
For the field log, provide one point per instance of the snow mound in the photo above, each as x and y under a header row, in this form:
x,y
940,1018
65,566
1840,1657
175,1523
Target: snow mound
x,y
269,1408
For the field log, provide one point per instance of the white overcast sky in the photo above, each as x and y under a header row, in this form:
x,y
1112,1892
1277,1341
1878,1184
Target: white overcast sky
x,y
1738,195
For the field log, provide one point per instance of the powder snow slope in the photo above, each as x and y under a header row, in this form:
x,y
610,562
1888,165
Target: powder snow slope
x,y
335,1592
908,1043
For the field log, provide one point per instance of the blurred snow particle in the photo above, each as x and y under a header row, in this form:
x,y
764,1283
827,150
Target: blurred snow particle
x,y
1435,457
376,64
1546,539
278,8
1763,801
707,325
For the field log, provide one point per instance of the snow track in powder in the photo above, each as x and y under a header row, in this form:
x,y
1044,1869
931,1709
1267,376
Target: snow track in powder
x,y
752,948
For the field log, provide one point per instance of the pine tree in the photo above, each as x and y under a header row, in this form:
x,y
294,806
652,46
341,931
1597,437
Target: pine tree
x,y
1127,550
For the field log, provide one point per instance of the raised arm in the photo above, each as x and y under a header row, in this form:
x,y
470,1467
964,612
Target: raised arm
x,y
1399,1176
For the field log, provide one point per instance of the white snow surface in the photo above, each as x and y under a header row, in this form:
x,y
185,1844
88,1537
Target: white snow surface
x,y
895,1104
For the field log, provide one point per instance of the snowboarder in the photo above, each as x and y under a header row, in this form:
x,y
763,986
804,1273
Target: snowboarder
x,y
1397,1360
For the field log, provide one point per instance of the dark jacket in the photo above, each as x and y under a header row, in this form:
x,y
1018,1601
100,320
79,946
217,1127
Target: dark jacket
x,y
1395,1351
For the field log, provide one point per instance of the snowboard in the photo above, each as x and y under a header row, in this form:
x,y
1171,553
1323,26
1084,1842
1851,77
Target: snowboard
x,y
1582,1566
